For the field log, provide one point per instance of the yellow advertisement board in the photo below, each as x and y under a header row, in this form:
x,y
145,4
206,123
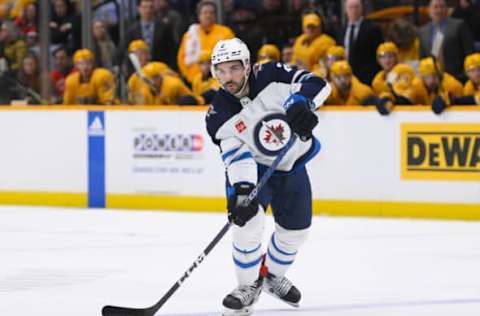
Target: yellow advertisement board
x,y
440,151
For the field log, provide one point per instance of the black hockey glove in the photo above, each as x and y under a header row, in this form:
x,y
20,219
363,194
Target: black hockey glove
x,y
300,116
237,212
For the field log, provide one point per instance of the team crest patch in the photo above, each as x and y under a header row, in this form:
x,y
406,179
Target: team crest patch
x,y
272,133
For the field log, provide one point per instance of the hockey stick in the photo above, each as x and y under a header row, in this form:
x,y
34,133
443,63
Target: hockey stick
x,y
140,74
150,311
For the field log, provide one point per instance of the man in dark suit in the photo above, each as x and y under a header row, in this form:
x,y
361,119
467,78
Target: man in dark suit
x,y
361,38
157,35
448,39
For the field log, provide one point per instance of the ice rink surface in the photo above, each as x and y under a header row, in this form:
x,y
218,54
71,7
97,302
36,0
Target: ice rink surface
x,y
58,262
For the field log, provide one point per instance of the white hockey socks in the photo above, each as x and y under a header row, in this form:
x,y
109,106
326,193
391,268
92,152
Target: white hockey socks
x,y
283,248
247,248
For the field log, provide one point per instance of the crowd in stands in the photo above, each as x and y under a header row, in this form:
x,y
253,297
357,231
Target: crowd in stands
x,y
164,57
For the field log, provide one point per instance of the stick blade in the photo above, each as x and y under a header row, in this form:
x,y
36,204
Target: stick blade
x,y
126,311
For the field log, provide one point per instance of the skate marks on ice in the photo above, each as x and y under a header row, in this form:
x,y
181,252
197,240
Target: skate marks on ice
x,y
314,310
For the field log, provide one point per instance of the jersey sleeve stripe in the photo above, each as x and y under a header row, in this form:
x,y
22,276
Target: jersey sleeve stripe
x,y
243,156
230,153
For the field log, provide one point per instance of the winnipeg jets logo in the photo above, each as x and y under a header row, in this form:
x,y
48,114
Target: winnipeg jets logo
x,y
272,133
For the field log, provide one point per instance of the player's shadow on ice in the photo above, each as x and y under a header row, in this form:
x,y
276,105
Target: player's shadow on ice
x,y
314,310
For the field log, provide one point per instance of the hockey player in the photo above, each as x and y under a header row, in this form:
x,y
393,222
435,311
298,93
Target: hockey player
x,y
347,89
438,82
268,52
387,57
204,84
323,67
89,85
472,68
313,44
471,90
251,119
160,89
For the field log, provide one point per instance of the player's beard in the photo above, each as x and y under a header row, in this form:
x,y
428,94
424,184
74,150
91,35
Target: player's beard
x,y
234,87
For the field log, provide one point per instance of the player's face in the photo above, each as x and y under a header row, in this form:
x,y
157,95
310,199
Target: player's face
x,y
331,59
231,75
387,61
143,56
431,82
312,30
343,82
474,75
85,67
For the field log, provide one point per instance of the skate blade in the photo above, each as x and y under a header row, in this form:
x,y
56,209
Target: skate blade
x,y
246,311
296,305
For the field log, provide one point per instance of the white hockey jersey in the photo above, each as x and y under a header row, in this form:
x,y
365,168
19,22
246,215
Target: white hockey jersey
x,y
253,130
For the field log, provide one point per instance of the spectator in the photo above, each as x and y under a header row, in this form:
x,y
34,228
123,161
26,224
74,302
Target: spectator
x,y
171,17
246,27
89,85
28,21
312,45
322,68
268,52
287,54
204,84
32,41
469,12
272,14
29,79
200,36
157,35
61,21
404,35
104,48
346,88
62,68
360,38
387,57
13,47
159,89
12,8
446,38
296,8
438,82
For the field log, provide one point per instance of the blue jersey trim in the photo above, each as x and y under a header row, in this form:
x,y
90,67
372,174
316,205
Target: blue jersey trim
x,y
243,156
229,153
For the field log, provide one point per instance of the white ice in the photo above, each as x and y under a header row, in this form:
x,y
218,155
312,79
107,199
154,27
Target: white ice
x,y
57,262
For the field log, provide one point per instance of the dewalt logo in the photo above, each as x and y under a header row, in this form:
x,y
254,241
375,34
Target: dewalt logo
x,y
434,151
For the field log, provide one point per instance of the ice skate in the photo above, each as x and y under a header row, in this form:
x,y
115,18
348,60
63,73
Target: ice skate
x,y
283,289
240,302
